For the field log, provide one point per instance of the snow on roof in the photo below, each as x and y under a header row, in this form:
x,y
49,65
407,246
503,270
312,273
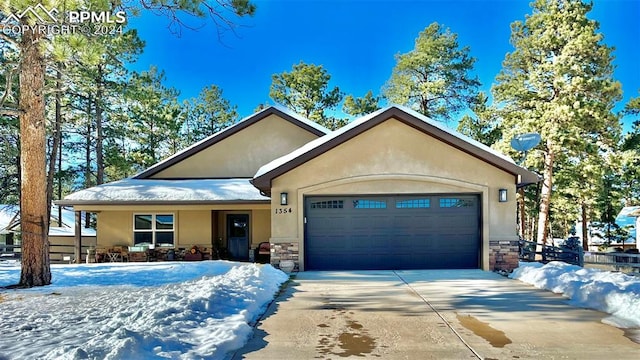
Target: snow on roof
x,y
66,231
299,117
231,128
357,122
7,213
152,190
632,211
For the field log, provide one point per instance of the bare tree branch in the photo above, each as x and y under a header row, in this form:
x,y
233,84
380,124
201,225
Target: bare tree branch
x,y
8,93
10,112
8,38
223,13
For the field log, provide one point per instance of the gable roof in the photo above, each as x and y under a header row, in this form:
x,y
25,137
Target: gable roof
x,y
279,111
277,167
153,191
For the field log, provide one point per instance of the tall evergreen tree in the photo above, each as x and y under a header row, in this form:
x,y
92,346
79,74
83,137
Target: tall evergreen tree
x,y
559,82
154,118
435,77
9,125
361,106
30,109
207,114
305,90
630,157
485,125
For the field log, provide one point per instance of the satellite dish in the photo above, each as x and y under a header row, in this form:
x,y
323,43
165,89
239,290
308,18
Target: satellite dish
x,y
525,142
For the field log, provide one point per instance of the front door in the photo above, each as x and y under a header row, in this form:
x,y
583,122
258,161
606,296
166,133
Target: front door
x,y
238,236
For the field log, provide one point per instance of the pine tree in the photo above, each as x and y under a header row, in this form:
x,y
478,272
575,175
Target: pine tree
x,y
559,82
485,125
435,77
630,157
30,109
305,90
361,106
207,114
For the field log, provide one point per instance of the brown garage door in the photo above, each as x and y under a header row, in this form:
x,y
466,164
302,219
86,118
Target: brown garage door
x,y
392,232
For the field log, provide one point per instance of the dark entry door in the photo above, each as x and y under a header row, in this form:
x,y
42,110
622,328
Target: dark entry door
x,y
238,235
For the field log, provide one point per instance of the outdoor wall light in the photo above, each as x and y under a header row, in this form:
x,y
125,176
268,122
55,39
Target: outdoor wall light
x,y
502,195
284,197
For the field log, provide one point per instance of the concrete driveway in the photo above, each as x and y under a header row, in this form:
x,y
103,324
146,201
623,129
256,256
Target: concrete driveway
x,y
429,314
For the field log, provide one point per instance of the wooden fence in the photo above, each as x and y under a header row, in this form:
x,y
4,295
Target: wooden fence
x,y
628,261
528,252
58,253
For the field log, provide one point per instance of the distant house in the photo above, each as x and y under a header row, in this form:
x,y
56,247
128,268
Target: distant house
x,y
61,232
627,219
391,190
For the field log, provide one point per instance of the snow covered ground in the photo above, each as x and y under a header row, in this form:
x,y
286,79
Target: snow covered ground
x,y
195,310
173,310
611,292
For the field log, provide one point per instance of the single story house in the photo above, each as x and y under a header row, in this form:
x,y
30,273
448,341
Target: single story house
x,y
391,190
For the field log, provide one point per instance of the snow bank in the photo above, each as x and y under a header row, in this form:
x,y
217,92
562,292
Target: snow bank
x,y
136,311
614,293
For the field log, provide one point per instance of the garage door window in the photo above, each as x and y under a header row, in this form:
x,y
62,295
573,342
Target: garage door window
x,y
455,203
413,204
329,204
369,204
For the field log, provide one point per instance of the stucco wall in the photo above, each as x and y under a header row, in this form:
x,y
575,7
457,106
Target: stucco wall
x,y
243,153
261,223
397,159
114,228
193,227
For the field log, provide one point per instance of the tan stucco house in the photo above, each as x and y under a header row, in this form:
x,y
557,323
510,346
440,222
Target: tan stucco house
x,y
391,190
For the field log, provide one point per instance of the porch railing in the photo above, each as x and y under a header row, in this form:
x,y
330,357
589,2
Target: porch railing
x,y
58,253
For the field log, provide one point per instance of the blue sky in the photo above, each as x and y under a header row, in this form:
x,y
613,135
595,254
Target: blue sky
x,y
355,41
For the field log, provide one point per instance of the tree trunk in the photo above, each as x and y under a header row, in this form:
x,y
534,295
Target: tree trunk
x,y
57,135
99,134
585,229
59,178
33,203
545,195
521,215
87,156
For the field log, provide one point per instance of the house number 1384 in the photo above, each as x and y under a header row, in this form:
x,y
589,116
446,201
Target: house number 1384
x,y
283,210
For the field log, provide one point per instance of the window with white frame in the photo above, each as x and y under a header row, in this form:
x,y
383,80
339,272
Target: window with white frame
x,y
156,229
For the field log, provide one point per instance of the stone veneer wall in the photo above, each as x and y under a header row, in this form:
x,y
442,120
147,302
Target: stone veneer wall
x,y
503,255
285,251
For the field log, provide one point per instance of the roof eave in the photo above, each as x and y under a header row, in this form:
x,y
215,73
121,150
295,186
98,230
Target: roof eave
x,y
263,182
158,202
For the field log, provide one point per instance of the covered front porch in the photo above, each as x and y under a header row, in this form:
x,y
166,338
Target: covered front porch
x,y
167,220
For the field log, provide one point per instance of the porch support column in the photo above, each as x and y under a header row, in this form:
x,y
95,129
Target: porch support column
x,y
638,232
78,238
